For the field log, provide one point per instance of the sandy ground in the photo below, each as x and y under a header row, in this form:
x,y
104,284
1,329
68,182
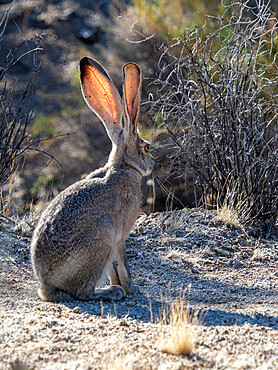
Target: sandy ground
x,y
229,277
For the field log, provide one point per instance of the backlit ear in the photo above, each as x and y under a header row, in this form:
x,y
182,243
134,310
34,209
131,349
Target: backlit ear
x,y
101,95
131,95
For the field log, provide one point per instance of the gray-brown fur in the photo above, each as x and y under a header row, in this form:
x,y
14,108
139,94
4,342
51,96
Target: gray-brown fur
x,y
81,234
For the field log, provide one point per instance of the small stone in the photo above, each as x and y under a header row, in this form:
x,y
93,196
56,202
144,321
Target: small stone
x,y
140,229
123,323
76,309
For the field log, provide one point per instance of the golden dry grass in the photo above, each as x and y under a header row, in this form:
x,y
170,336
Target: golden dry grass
x,y
236,215
177,333
227,214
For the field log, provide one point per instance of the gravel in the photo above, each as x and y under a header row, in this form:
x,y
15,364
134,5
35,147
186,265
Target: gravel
x,y
228,276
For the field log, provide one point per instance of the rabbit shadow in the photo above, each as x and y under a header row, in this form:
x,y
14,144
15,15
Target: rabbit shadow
x,y
142,308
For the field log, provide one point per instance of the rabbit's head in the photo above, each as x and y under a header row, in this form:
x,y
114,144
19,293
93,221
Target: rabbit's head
x,y
119,116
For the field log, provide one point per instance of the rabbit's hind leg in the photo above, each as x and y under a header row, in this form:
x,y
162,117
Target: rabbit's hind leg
x,y
101,267
51,294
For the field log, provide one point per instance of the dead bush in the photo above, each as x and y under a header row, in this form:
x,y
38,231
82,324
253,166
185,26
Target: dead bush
x,y
217,98
15,101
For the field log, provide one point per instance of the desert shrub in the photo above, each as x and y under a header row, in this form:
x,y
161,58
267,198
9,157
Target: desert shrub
x,y
15,95
217,98
44,126
43,184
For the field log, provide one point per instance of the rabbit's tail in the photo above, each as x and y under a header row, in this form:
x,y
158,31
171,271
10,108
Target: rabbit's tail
x,y
52,294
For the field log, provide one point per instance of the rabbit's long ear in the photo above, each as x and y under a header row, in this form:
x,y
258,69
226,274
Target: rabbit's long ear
x,y
131,96
101,95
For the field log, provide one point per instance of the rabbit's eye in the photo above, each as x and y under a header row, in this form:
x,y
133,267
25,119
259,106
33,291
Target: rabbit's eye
x,y
147,148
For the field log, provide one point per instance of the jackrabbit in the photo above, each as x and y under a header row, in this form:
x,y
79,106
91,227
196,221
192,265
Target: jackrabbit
x,y
80,235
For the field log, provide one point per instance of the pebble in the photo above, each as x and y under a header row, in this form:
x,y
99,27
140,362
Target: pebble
x,y
76,309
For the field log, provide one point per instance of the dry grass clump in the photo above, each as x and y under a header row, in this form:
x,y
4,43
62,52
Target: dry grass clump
x,y
228,215
177,333
233,212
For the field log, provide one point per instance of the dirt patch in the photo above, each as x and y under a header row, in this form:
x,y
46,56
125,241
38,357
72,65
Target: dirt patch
x,y
226,274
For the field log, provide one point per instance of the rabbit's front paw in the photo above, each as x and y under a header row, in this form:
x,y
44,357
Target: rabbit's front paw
x,y
111,293
117,293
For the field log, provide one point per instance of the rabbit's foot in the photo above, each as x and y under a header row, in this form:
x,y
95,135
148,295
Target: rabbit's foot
x,y
112,293
128,286
134,290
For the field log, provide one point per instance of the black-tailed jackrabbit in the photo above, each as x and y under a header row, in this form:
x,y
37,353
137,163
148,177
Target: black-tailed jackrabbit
x,y
80,236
